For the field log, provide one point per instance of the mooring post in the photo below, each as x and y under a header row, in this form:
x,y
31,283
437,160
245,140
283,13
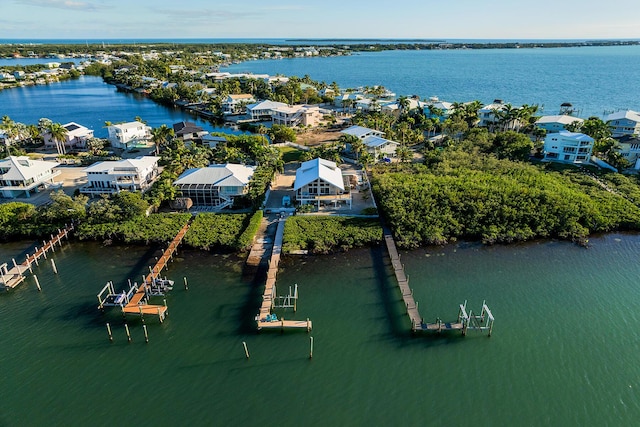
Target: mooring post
x,y
15,265
186,285
35,256
141,314
37,282
109,332
308,325
246,350
53,264
160,315
126,328
311,350
146,335
29,265
53,244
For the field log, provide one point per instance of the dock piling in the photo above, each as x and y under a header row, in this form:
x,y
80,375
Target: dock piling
x,y
246,350
53,265
109,332
126,328
186,285
311,350
146,335
37,283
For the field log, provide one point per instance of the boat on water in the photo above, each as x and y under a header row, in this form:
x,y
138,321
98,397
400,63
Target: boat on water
x,y
160,286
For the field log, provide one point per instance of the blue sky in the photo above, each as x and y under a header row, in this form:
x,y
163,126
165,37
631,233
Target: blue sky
x,y
477,19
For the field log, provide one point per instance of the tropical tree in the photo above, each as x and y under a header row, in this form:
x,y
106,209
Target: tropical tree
x,y
161,135
58,134
281,133
404,153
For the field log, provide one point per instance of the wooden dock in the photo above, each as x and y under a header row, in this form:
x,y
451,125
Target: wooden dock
x,y
11,278
138,304
264,318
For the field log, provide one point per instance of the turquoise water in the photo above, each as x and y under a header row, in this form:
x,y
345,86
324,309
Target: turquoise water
x,y
564,349
593,79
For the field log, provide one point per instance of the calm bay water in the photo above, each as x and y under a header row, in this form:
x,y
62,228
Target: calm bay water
x,y
564,349
90,102
593,79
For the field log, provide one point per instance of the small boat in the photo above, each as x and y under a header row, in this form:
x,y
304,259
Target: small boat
x,y
160,286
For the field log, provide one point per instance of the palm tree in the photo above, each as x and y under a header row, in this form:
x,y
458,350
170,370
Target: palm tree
x,y
403,153
58,134
161,135
404,104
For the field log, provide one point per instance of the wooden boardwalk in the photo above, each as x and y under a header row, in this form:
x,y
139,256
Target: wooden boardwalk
x,y
138,305
268,298
10,278
403,281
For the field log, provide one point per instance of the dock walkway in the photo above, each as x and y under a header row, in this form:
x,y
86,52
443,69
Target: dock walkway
x,y
264,318
11,278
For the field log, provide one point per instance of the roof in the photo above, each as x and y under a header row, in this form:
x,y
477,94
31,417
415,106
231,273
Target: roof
x,y
128,125
76,129
241,96
318,168
373,141
227,175
629,115
562,118
266,105
139,163
360,131
21,168
183,128
575,135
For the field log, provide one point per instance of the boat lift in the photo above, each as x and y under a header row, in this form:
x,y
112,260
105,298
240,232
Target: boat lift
x,y
477,322
108,297
287,301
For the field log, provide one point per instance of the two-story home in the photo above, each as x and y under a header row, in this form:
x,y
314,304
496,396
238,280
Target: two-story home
x,y
624,123
215,186
20,176
487,114
380,147
320,181
129,135
189,132
110,177
362,132
264,110
629,149
297,115
436,109
568,147
76,137
557,123
236,104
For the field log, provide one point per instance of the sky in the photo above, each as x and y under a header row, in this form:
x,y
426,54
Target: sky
x,y
429,19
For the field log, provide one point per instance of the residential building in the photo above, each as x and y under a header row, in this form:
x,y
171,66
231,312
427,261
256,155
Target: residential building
x,y
380,147
213,141
557,123
113,176
236,104
394,108
297,115
436,109
629,149
20,176
215,186
624,123
362,132
568,147
487,114
263,110
129,135
189,131
320,181
76,137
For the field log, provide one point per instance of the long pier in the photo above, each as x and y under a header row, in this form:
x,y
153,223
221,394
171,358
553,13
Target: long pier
x,y
11,278
465,320
264,318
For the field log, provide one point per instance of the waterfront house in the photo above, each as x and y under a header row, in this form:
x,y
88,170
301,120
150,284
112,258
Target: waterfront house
x,y
215,186
129,135
236,104
394,108
380,147
624,123
487,114
213,141
436,109
263,110
629,148
297,115
362,132
20,176
189,132
568,147
557,123
113,176
76,137
320,181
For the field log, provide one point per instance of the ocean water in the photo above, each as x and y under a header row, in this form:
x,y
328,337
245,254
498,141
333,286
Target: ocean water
x,y
593,79
90,102
563,352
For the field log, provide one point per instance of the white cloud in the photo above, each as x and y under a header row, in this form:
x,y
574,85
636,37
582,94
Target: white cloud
x,y
62,4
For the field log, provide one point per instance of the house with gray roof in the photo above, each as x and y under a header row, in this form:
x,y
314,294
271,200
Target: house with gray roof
x,y
20,176
113,176
624,123
215,186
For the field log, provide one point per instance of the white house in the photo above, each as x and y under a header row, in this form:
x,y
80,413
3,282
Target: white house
x,y
128,135
20,176
110,177
264,110
435,106
216,185
624,123
487,114
380,147
297,115
362,132
629,148
394,108
568,147
236,104
318,181
76,137
556,123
